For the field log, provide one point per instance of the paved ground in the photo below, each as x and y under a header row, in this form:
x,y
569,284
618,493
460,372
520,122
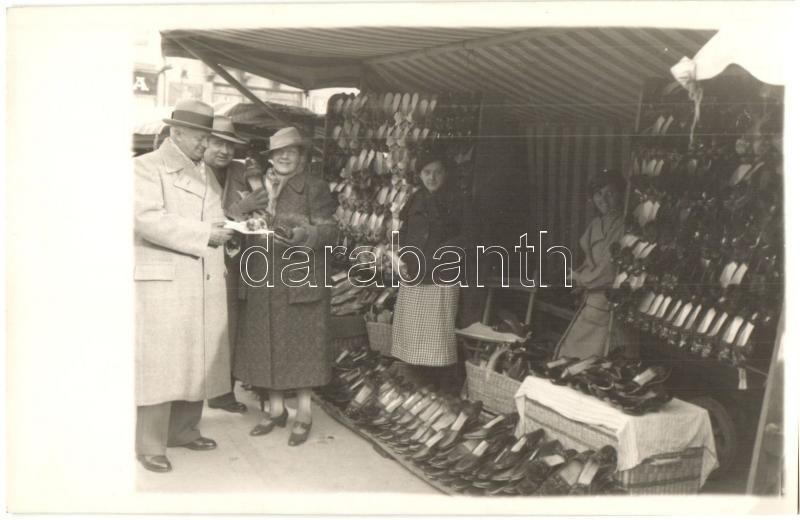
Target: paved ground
x,y
333,459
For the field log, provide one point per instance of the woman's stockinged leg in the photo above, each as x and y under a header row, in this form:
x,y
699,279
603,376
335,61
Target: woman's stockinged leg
x,y
302,421
303,405
275,403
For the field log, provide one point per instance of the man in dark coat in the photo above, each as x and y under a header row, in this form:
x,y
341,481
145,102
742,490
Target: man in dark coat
x,y
219,159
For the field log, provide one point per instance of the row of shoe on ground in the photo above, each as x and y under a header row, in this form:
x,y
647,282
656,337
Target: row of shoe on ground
x,y
455,443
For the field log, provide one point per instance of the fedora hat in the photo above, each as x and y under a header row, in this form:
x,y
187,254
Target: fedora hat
x,y
223,128
192,114
285,137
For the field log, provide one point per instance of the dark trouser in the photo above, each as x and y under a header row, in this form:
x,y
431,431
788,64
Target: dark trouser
x,y
224,399
173,423
232,264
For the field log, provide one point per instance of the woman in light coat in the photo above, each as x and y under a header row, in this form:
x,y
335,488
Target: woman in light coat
x,y
588,333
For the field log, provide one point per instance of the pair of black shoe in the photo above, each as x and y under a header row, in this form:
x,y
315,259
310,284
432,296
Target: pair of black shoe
x,y
161,464
587,473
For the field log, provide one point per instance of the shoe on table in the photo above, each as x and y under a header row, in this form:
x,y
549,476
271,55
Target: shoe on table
x,y
157,463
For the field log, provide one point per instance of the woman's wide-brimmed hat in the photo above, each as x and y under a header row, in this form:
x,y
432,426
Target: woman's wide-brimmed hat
x,y
191,113
224,129
285,137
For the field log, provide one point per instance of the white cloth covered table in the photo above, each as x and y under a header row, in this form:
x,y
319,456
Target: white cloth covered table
x,y
677,426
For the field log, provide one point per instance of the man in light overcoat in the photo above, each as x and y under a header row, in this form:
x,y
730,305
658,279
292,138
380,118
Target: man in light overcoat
x,y
182,346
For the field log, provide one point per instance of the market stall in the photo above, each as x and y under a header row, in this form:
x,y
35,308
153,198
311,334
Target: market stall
x,y
528,116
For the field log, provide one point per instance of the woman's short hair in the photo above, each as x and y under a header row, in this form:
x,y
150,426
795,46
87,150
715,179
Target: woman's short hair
x,y
427,157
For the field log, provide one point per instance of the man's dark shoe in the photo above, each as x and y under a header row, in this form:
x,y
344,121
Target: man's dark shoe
x,y
234,407
157,463
200,444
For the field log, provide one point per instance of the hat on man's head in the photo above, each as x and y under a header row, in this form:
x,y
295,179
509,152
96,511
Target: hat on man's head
x,y
191,113
285,137
223,128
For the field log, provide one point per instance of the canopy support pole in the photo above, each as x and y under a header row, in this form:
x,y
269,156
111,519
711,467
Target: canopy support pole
x,y
238,86
233,82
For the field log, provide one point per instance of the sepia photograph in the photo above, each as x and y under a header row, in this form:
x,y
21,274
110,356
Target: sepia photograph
x,y
367,251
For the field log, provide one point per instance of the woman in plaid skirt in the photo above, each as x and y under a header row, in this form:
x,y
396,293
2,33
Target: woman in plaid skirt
x,y
425,314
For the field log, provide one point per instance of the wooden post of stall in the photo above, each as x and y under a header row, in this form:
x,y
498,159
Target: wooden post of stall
x,y
768,448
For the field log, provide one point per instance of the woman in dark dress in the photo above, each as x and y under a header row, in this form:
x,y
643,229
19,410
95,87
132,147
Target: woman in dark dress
x,y
283,332
423,333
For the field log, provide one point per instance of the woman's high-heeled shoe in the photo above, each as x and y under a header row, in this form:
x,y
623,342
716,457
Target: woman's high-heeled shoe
x,y
497,426
596,473
295,439
265,428
466,420
562,480
483,452
512,454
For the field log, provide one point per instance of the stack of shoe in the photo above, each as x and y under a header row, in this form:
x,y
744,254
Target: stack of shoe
x,y
629,385
370,160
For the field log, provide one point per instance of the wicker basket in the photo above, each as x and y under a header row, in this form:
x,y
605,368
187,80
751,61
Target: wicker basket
x,y
494,389
380,337
665,474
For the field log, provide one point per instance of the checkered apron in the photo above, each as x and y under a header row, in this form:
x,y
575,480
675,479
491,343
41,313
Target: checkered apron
x,y
423,332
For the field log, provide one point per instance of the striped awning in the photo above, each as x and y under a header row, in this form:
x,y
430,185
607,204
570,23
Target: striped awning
x,y
542,74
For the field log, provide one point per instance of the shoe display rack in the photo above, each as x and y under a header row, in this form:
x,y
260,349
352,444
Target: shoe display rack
x,y
454,444
371,148
700,272
700,268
